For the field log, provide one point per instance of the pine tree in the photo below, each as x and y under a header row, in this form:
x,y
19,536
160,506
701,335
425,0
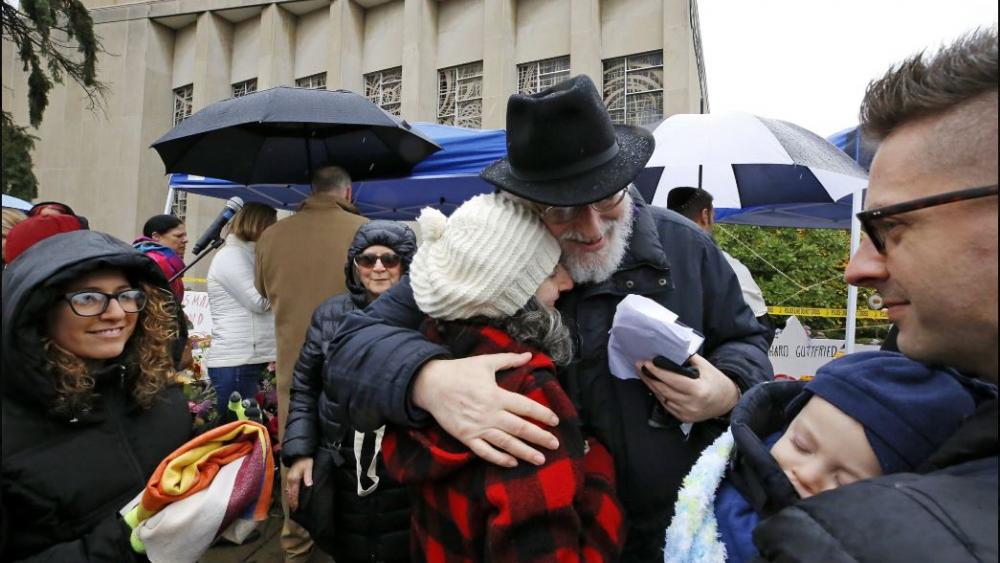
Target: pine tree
x,y
53,39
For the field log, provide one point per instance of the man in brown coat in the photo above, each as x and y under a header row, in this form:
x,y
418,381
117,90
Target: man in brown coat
x,y
300,263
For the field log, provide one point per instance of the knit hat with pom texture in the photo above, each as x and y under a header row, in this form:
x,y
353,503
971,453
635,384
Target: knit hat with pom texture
x,y
488,259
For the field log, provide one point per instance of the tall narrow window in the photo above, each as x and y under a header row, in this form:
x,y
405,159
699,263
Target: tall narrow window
x,y
183,106
633,88
538,75
460,95
385,88
314,81
244,88
183,102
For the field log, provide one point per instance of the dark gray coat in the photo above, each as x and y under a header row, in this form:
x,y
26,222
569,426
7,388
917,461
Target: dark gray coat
x,y
349,527
377,352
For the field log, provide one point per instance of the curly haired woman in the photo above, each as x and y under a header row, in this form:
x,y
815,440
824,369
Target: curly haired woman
x,y
89,401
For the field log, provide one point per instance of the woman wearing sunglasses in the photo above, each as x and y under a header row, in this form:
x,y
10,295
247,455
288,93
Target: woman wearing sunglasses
x,y
330,463
89,401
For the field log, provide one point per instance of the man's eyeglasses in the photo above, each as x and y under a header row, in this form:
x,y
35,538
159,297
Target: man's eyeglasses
x,y
89,303
560,215
874,223
367,261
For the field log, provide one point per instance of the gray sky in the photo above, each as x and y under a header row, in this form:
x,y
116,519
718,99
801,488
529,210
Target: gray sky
x,y
808,61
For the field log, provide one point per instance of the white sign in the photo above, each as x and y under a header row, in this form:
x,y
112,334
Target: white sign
x,y
197,311
796,356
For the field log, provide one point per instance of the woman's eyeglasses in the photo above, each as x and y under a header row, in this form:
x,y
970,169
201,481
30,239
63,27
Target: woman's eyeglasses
x,y
561,215
367,261
876,227
89,303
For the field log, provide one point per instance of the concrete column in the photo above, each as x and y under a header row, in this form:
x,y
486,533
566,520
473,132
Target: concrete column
x,y
212,56
213,50
499,68
276,48
155,112
585,40
680,94
347,29
420,60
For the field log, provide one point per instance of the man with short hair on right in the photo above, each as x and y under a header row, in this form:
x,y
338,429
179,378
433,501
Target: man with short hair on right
x,y
931,252
299,265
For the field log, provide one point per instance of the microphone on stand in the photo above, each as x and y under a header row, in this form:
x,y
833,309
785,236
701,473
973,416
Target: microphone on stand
x,y
233,205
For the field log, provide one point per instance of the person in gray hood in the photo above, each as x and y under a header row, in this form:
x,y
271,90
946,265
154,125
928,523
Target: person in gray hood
x,y
329,462
90,406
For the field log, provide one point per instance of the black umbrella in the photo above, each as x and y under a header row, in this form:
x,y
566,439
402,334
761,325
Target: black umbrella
x,y
280,135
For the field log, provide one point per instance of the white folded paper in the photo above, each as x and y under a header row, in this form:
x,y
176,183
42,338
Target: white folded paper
x,y
643,329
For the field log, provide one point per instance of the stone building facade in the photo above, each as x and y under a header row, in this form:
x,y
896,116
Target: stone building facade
x,y
445,61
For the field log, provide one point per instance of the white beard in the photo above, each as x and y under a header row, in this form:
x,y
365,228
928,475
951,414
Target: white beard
x,y
596,267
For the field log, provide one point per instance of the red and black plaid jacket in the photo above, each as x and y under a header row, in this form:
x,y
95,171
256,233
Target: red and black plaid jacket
x,y
466,509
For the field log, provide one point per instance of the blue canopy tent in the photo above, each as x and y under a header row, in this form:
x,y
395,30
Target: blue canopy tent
x,y
450,176
856,144
443,180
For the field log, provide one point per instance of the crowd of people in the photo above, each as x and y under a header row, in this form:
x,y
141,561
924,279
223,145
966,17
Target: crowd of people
x,y
452,401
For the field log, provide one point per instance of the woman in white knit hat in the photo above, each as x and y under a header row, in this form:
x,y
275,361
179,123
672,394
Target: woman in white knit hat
x,y
488,278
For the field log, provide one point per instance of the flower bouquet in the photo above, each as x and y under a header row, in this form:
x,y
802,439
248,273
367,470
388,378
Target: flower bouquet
x,y
267,398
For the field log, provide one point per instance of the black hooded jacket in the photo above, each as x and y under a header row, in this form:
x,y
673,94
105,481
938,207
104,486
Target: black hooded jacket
x,y
370,528
753,470
944,511
65,477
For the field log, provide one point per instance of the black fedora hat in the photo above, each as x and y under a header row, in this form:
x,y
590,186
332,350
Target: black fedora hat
x,y
562,148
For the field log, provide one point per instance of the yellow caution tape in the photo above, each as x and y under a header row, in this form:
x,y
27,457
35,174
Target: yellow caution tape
x,y
823,312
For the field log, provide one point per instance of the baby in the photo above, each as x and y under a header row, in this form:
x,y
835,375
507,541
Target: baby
x,y
864,415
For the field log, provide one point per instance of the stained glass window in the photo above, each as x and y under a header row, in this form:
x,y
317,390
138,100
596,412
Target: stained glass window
x,y
385,88
183,106
633,88
536,76
460,95
244,88
314,81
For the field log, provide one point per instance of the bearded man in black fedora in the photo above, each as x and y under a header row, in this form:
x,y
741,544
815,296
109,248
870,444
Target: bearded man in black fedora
x,y
567,161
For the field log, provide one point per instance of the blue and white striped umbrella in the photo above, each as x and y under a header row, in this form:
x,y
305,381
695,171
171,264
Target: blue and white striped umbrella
x,y
776,172
16,203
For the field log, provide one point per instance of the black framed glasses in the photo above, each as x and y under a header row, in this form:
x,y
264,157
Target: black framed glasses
x,y
90,303
367,261
874,224
560,215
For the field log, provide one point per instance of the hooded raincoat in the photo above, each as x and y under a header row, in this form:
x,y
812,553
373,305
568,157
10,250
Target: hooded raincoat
x,y
362,528
65,477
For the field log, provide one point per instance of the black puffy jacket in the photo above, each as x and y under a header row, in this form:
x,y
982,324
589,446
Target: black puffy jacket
x,y
370,528
64,478
753,470
377,352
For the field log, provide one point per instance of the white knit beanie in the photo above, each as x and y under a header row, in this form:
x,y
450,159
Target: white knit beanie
x,y
488,259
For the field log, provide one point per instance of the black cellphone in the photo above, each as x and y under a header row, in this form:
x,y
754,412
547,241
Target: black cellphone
x,y
659,417
687,370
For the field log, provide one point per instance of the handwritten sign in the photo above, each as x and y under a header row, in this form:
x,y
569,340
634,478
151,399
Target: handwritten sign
x,y
794,355
197,311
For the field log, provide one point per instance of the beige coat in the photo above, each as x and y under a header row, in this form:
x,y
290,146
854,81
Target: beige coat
x,y
300,263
